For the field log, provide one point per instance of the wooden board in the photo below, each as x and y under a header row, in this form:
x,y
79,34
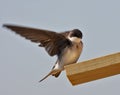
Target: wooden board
x,y
93,69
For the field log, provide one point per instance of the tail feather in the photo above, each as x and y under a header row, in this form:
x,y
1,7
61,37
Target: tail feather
x,y
46,76
53,72
57,74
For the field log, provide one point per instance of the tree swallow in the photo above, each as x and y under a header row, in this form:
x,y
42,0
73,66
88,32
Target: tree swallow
x,y
67,46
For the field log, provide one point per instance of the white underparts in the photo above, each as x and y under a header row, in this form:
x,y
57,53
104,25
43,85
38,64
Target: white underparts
x,y
70,54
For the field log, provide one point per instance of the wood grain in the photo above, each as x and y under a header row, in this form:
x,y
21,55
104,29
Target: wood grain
x,y
93,69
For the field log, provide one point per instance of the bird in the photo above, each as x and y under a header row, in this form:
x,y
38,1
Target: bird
x,y
66,45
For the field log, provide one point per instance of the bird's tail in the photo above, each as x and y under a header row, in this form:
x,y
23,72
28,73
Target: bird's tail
x,y
55,73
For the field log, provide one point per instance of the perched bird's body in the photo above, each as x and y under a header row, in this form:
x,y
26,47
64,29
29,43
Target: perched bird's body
x,y
66,45
69,55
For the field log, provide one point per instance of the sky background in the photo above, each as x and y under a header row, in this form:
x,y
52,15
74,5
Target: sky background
x,y
23,64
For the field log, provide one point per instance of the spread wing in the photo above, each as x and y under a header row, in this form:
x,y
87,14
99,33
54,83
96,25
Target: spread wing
x,y
66,33
53,42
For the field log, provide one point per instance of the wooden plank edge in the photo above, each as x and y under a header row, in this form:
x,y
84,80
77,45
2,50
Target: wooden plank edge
x,y
94,74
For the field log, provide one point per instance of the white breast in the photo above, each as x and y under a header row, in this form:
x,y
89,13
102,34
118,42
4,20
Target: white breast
x,y
70,54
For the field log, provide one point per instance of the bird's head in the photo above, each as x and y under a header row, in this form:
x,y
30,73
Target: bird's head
x,y
75,35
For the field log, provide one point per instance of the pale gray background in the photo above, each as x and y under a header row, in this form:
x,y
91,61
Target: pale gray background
x,y
23,64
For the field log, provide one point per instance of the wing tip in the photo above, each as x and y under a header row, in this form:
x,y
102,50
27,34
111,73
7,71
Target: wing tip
x,y
4,25
8,25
